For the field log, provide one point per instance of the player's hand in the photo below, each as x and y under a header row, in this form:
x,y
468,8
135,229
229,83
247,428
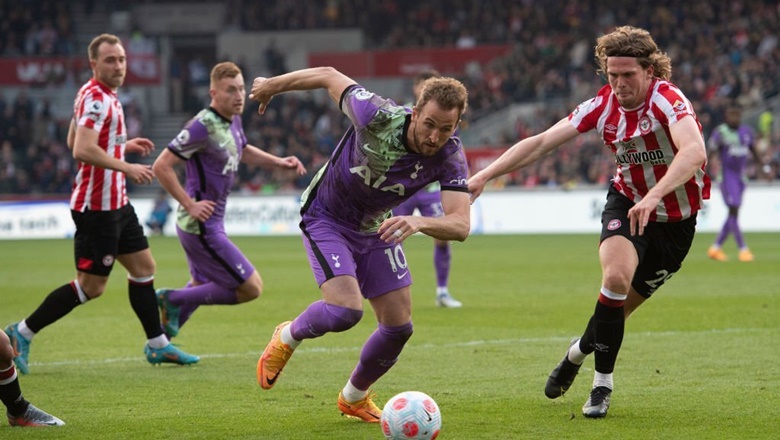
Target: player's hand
x,y
476,186
293,162
397,229
142,146
260,93
639,214
139,173
202,210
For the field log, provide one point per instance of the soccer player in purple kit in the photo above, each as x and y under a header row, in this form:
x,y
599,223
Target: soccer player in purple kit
x,y
352,240
428,202
212,144
732,141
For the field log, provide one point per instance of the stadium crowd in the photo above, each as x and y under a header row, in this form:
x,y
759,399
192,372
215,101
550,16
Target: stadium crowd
x,y
722,52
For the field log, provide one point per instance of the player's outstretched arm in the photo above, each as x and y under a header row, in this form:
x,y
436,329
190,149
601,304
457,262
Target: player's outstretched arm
x,y
263,89
255,156
522,154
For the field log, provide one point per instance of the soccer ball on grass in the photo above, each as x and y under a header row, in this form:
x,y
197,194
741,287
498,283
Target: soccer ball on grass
x,y
411,415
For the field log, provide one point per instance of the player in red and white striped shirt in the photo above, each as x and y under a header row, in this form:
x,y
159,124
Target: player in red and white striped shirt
x,y
649,219
107,228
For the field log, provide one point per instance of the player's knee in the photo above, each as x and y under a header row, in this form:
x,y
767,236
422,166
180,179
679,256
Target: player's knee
x,y
400,333
344,318
91,286
617,281
442,244
250,290
6,351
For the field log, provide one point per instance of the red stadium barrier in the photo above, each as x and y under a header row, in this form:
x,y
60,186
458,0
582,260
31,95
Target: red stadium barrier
x,y
142,69
407,62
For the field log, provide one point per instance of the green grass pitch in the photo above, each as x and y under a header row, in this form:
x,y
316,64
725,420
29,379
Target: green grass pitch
x,y
701,360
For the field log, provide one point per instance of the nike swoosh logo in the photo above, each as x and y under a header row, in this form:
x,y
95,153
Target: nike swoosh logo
x,y
224,144
430,419
272,380
401,275
367,148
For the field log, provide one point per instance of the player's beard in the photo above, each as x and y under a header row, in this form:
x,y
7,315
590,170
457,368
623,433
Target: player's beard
x,y
421,145
113,80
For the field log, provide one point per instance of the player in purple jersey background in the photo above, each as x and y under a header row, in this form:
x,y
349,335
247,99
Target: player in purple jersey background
x,y
213,144
352,239
732,141
428,203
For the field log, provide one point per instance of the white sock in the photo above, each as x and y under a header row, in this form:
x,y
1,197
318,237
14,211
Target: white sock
x,y
159,341
442,291
80,292
288,339
24,330
575,355
352,394
603,380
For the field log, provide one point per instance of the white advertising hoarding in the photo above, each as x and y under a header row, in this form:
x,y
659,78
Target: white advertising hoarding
x,y
505,212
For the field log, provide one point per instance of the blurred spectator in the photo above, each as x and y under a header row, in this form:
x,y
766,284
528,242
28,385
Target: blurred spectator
x,y
722,50
275,63
161,210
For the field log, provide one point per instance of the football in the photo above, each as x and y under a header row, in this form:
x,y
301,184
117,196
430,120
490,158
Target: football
x,y
411,415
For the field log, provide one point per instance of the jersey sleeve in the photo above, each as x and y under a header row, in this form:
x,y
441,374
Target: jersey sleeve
x,y
585,116
455,171
191,139
671,104
94,110
361,105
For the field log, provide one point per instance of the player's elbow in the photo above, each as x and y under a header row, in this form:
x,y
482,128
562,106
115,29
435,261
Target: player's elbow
x,y
157,168
78,154
701,158
462,231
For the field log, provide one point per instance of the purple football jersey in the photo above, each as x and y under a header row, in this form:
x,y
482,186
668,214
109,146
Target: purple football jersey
x,y
733,147
212,147
372,170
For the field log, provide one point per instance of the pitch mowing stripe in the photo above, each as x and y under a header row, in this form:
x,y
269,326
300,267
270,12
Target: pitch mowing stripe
x,y
412,346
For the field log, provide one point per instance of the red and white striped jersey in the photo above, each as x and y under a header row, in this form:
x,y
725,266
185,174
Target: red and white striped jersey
x,y
99,189
642,144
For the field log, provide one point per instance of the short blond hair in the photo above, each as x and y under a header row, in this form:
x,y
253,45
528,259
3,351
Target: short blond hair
x,y
227,69
94,45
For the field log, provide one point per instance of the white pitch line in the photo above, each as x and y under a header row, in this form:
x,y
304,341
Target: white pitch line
x,y
413,346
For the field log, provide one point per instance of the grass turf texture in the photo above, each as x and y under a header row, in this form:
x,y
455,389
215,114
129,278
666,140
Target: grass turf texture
x,y
699,360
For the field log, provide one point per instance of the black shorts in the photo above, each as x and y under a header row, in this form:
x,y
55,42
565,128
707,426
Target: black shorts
x,y
102,235
661,249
